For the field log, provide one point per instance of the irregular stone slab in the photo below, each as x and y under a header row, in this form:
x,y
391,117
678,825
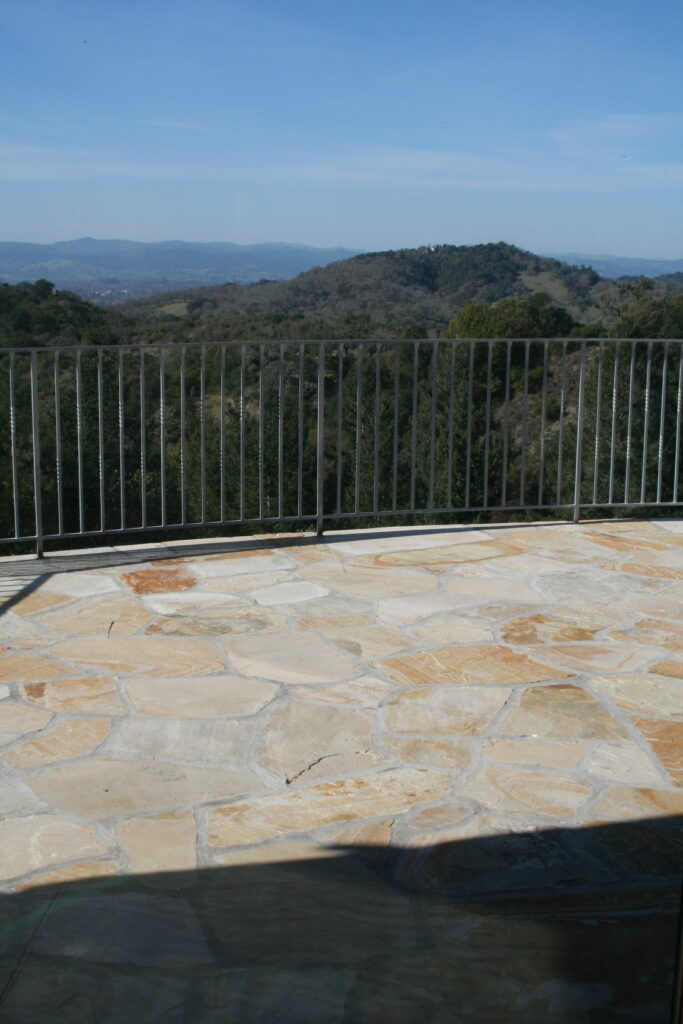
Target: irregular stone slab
x,y
437,557
38,601
15,797
151,655
79,584
464,711
487,664
401,540
665,572
40,840
324,624
370,641
370,583
543,629
513,789
363,692
666,739
642,693
108,616
274,853
305,741
533,752
622,543
452,628
668,667
391,792
16,720
473,590
71,873
623,803
600,587
288,593
13,627
234,586
201,697
159,581
445,815
605,657
445,753
108,788
623,762
24,668
403,611
74,738
161,842
184,739
229,622
378,833
90,695
291,658
560,712
233,564
190,601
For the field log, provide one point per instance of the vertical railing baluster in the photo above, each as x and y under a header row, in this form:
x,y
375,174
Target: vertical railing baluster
x,y
487,426
261,433
394,454
541,454
413,440
579,435
359,423
35,431
100,439
451,412
506,423
679,425
183,453
13,446
79,443
662,422
202,432
560,440
222,435
58,444
162,431
613,437
242,361
598,400
320,444
629,424
432,427
378,407
525,415
468,443
646,422
340,421
280,428
122,444
300,438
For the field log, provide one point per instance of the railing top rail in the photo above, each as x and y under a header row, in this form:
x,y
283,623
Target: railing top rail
x,y
158,345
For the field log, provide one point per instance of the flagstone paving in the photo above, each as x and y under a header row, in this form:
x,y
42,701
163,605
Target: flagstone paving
x,y
396,689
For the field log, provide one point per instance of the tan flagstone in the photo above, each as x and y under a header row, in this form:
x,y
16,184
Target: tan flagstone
x,y
291,658
15,797
37,601
594,586
71,873
233,586
161,842
666,739
190,601
623,762
446,752
346,800
643,569
73,738
622,542
464,710
153,655
113,615
665,641
514,789
79,584
42,840
227,622
306,741
236,564
25,668
377,833
184,739
362,692
403,611
14,627
110,788
413,540
560,712
200,697
370,641
91,695
561,755
623,803
486,664
450,813
309,553
17,719
642,693
452,628
443,557
274,853
473,589
368,582
324,624
288,593
668,667
158,581
543,629
589,657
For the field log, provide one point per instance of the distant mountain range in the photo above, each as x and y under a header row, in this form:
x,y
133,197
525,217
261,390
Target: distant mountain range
x,y
619,266
109,271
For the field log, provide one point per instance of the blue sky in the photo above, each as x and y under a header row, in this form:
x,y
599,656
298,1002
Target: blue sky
x,y
374,125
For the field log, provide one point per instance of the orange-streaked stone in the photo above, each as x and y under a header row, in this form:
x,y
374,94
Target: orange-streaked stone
x,y
483,663
90,695
75,737
623,543
331,622
514,789
560,712
160,656
542,629
666,739
444,752
668,668
158,581
25,668
623,803
529,751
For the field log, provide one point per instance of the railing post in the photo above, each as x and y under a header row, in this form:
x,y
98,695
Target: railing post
x,y
579,435
320,438
35,429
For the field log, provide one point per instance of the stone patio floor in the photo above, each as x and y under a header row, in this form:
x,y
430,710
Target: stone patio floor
x,y
276,700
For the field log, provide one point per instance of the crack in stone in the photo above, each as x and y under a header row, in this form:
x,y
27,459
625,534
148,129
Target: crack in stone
x,y
324,757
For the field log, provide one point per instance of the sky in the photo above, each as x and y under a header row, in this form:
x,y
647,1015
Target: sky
x,y
371,124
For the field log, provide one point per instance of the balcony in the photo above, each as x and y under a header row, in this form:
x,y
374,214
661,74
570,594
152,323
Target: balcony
x,y
412,773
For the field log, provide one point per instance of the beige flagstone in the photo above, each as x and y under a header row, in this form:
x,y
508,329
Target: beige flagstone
x,y
443,557
324,624
235,564
161,842
390,792
445,752
235,586
15,797
377,833
623,762
71,873
363,692
305,741
514,789
14,627
199,697
666,739
274,853
189,601
288,593
370,641
668,667
90,695
449,813
291,658
560,754
403,611
74,738
41,840
79,584
490,589
38,601
226,622
624,803
111,615
596,656
153,655
24,668
487,664
16,720
452,628
184,739
543,629
560,712
666,572
109,788
463,710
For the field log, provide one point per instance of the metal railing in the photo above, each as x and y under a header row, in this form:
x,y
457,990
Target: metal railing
x,y
107,440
